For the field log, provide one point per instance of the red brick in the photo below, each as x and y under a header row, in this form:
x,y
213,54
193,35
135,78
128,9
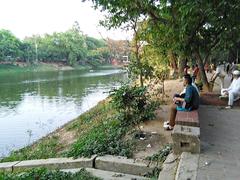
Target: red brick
x,y
187,118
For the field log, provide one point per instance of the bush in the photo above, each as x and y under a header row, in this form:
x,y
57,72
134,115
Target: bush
x,y
133,104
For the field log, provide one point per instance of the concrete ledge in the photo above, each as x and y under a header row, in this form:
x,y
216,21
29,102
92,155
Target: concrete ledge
x,y
187,167
186,139
122,165
169,168
56,163
8,166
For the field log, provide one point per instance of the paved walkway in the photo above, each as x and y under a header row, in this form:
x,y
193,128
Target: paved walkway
x,y
220,144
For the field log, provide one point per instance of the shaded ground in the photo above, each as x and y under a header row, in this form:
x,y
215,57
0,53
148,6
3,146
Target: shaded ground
x,y
156,138
220,144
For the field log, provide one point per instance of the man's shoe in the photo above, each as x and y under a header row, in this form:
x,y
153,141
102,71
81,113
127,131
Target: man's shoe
x,y
228,107
166,123
168,128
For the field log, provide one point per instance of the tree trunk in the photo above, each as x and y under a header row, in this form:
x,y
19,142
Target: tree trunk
x,y
137,49
173,62
202,71
182,64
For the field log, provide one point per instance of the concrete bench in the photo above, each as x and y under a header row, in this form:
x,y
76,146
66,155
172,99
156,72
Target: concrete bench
x,y
210,98
186,132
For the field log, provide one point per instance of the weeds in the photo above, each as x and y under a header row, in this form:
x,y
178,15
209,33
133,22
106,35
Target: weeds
x,y
46,148
161,155
44,174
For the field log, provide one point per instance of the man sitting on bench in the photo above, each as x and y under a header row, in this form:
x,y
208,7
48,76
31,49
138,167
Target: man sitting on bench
x,y
233,92
189,102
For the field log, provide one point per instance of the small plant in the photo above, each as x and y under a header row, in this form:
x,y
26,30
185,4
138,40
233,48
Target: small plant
x,y
133,105
161,155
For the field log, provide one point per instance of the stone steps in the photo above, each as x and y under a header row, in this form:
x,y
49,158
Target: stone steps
x,y
123,165
182,167
116,167
112,165
108,175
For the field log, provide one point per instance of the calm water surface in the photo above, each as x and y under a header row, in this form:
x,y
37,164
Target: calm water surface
x,y
34,104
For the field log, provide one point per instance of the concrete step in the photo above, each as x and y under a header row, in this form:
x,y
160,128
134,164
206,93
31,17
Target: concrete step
x,y
123,165
187,167
107,175
169,168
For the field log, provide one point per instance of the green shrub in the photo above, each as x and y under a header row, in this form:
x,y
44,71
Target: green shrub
x,y
133,104
44,174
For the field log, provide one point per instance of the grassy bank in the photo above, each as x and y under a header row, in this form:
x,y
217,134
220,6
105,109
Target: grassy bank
x,y
41,67
94,132
44,67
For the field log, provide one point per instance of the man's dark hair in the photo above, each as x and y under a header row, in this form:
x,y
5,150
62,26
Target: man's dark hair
x,y
188,78
196,65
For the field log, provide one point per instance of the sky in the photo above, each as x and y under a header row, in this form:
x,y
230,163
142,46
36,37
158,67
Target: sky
x,y
28,17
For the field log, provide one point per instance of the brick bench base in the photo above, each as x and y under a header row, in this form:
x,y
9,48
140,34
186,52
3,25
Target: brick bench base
x,y
187,118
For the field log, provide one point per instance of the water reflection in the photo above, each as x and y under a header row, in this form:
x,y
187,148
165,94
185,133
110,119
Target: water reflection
x,y
34,104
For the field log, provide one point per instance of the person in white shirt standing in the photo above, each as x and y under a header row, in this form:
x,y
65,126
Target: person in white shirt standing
x,y
220,72
233,92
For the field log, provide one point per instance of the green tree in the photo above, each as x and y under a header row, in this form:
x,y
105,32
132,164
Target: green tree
x,y
193,28
9,46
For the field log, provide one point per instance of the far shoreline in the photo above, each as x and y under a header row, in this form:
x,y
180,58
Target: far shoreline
x,y
20,67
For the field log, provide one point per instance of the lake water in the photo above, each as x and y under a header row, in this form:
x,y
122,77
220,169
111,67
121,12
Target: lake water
x,y
35,104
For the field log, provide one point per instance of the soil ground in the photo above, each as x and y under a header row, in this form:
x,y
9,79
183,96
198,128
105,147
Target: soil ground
x,y
157,137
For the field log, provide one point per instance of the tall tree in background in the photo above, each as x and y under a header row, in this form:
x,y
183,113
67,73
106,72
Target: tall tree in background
x,y
9,46
194,28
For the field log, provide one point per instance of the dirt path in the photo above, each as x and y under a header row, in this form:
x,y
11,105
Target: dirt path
x,y
157,137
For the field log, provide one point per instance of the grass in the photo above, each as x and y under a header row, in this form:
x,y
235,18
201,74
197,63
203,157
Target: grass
x,y
96,132
99,132
45,148
44,174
